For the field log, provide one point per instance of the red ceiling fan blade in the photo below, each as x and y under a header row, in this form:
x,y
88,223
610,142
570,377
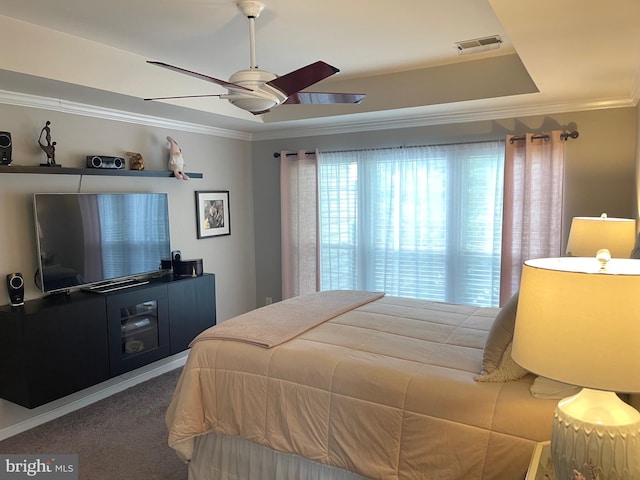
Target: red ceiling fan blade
x,y
302,78
324,98
202,76
181,96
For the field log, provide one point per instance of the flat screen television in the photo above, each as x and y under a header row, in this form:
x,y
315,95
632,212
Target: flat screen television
x,y
90,239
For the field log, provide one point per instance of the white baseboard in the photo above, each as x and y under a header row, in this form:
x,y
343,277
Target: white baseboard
x,y
15,419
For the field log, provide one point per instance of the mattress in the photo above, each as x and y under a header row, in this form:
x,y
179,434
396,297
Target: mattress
x,y
385,390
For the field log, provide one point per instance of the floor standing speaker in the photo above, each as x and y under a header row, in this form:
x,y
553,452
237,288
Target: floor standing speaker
x,y
15,287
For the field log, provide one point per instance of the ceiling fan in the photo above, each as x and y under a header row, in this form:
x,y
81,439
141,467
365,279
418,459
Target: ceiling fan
x,y
258,91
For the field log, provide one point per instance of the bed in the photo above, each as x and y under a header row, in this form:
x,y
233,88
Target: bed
x,y
349,385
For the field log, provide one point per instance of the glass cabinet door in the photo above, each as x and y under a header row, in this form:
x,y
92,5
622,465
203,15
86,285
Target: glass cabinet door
x,y
138,327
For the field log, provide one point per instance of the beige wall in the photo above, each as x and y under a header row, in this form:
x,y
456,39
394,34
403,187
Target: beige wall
x,y
225,164
600,169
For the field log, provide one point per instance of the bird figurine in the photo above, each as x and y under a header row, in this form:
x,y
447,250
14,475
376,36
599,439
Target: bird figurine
x,y
176,162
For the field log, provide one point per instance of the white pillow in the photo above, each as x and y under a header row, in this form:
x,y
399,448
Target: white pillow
x,y
497,364
506,370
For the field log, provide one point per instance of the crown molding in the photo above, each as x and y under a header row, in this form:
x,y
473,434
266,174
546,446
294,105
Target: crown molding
x,y
65,106
408,120
428,119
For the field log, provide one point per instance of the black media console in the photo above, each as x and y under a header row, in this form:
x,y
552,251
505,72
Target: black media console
x,y
58,345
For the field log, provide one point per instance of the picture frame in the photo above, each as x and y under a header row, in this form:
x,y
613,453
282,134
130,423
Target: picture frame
x,y
213,215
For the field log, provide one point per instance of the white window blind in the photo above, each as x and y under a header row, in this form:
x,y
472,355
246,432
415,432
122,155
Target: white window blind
x,y
420,222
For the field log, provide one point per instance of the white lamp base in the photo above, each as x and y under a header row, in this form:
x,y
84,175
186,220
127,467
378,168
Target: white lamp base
x,y
596,434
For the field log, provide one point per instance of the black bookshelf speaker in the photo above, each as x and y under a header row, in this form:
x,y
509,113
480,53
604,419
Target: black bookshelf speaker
x,y
5,148
15,288
102,161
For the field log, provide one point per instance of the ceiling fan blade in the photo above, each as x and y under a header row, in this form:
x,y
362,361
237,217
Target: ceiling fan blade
x,y
324,98
181,96
202,76
302,78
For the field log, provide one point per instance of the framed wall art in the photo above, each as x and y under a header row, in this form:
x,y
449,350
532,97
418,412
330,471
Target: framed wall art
x,y
212,213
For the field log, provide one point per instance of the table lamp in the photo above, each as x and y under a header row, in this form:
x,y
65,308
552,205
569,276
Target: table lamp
x,y
590,234
579,324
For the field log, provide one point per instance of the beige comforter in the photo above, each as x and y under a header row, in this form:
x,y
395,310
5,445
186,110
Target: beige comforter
x,y
385,390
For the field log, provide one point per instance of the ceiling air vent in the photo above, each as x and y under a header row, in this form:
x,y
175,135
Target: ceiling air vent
x,y
478,45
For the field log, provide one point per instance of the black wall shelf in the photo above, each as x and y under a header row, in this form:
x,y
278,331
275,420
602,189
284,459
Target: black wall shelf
x,y
90,171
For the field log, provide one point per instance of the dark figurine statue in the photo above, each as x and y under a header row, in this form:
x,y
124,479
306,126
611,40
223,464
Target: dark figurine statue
x,y
49,148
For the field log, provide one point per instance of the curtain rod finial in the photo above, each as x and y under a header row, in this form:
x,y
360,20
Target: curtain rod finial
x,y
567,135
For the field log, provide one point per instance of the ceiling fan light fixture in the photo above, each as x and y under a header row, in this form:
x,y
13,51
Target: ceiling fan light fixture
x,y
253,105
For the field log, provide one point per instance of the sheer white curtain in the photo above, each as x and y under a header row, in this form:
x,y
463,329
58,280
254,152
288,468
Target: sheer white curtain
x,y
533,197
299,223
422,222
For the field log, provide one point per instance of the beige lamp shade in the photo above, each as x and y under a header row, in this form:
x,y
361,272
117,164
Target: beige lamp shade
x,y
590,234
579,325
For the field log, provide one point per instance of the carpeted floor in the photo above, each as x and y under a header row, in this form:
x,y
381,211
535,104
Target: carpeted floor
x,y
119,438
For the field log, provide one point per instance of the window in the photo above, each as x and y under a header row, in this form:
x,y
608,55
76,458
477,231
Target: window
x,y
421,222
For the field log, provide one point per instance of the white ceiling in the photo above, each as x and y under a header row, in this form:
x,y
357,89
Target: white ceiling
x,y
556,56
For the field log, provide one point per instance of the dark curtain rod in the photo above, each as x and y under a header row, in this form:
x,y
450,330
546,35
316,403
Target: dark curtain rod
x,y
563,136
292,154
